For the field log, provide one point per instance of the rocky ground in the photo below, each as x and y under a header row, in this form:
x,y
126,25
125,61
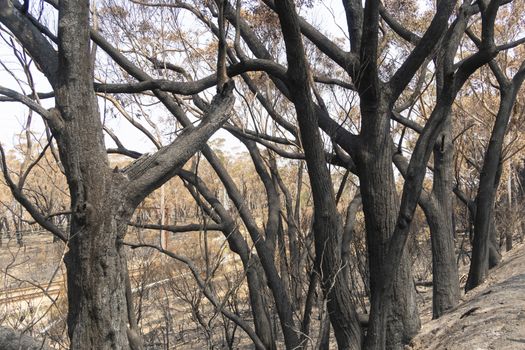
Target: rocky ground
x,y
491,316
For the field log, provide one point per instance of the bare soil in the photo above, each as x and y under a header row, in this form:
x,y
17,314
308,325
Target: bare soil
x,y
491,316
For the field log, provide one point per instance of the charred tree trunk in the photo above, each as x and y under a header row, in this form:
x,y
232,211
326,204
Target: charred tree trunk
x,y
251,263
380,206
290,270
97,314
96,271
438,210
489,178
327,224
445,280
348,232
437,207
494,250
102,200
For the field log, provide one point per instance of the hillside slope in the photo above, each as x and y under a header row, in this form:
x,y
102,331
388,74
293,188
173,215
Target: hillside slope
x,y
491,316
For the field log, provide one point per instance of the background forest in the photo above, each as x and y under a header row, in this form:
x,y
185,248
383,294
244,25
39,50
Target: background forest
x,y
254,174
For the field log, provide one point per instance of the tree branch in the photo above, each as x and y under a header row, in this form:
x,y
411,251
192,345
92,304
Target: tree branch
x,y
147,174
26,100
31,209
194,87
203,285
397,27
423,49
30,38
180,228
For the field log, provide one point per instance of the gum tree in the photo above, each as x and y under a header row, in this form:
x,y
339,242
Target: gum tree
x,y
102,199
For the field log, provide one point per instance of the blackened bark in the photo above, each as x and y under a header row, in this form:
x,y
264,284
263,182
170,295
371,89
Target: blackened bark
x,y
323,341
348,232
437,207
494,254
393,317
445,281
101,200
438,210
252,265
272,196
308,306
292,266
295,253
453,81
489,178
494,250
98,311
97,314
403,322
380,205
327,224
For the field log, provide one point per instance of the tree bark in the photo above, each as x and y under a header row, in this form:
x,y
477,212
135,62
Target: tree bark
x,y
494,250
438,210
101,200
97,314
489,178
251,263
327,226
380,206
98,311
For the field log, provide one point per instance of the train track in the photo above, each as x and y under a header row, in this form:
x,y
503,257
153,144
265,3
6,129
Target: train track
x,y
18,295
47,291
